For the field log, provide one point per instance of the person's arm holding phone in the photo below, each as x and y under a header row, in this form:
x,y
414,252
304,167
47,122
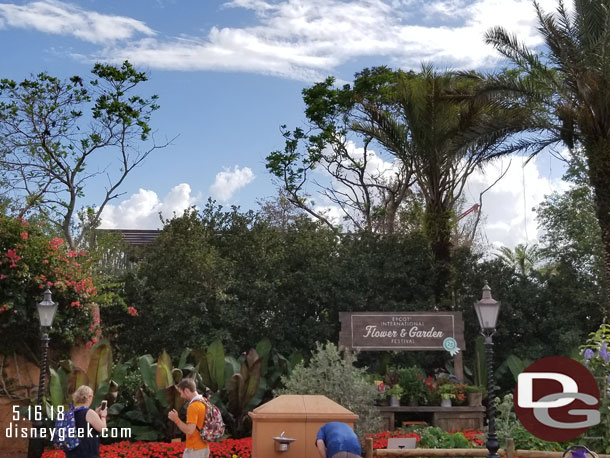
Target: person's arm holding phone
x,y
97,417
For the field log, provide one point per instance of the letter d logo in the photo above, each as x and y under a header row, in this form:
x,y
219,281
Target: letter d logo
x,y
525,383
557,399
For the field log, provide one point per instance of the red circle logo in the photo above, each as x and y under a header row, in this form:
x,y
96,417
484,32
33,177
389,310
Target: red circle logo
x,y
557,399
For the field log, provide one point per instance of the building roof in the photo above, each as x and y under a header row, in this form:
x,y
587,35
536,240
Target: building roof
x,y
136,236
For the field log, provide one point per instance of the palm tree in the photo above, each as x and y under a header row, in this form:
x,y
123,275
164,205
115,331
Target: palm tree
x,y
522,260
436,123
571,84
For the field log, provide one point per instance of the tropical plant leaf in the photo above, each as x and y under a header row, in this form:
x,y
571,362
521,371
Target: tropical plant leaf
x,y
76,378
147,370
56,390
216,364
163,373
100,364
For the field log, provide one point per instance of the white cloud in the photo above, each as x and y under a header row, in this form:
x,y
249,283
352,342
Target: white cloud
x,y
307,39
300,39
228,182
508,206
141,210
61,18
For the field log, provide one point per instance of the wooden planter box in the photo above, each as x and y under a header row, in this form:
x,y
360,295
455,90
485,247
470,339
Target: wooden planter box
x,y
446,418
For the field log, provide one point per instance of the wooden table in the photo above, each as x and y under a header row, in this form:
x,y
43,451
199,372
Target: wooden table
x,y
446,418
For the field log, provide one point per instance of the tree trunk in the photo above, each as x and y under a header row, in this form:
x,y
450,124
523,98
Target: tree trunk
x,y
438,230
598,155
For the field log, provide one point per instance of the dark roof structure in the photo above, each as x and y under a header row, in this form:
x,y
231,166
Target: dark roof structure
x,y
136,237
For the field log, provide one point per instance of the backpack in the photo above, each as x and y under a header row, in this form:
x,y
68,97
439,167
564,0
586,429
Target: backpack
x,y
213,426
66,437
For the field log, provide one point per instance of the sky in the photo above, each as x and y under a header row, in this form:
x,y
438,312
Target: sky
x,y
230,73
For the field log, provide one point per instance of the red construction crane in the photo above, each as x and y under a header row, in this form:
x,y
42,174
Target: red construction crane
x,y
474,208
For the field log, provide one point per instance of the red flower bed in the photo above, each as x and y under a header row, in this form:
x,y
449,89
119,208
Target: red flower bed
x,y
380,440
474,436
227,448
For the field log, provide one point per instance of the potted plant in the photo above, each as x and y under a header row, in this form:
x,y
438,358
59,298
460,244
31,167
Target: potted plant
x,y
474,394
382,400
395,393
446,392
461,396
411,379
432,395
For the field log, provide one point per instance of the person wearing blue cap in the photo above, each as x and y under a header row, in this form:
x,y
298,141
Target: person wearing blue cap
x,y
338,440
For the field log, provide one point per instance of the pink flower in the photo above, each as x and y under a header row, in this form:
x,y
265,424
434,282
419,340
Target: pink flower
x,y
13,257
75,304
2,276
24,236
132,311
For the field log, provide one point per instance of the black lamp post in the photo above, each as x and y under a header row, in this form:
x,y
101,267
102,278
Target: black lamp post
x,y
46,313
487,311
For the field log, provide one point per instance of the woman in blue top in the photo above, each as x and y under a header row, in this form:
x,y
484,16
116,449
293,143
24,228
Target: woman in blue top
x,y
338,440
88,424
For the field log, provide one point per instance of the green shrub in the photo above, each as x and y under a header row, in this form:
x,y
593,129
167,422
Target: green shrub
x,y
329,374
433,437
507,425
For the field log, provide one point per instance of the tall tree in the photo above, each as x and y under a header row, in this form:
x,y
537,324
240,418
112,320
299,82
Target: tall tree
x,y
522,259
571,81
52,132
434,124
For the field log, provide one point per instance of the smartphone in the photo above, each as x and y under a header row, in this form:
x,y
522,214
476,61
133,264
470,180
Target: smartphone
x,y
104,404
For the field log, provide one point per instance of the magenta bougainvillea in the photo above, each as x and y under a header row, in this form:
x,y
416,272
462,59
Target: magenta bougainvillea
x,y
30,261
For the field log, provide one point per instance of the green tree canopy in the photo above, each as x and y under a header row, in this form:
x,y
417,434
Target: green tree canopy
x,y
570,83
435,126
52,132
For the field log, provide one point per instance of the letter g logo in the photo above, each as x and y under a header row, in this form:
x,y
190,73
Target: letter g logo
x,y
557,399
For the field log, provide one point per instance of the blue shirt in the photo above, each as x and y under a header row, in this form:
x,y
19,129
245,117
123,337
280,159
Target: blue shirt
x,y
339,437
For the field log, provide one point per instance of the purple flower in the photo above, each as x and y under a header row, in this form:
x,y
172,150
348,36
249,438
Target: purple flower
x,y
588,355
603,352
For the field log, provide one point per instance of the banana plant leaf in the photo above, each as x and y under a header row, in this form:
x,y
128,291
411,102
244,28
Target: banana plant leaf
x,y
100,393
113,392
173,399
251,370
177,375
236,391
216,364
147,370
56,390
183,357
100,364
263,348
163,373
204,370
76,378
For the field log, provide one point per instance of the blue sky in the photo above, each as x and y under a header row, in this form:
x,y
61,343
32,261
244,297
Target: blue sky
x,y
229,73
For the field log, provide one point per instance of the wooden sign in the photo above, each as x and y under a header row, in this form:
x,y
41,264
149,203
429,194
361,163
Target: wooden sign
x,y
385,331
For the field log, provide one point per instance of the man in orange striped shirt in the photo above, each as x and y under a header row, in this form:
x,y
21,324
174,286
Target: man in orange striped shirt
x,y
195,446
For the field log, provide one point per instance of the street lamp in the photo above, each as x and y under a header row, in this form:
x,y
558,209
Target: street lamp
x,y
46,313
487,311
